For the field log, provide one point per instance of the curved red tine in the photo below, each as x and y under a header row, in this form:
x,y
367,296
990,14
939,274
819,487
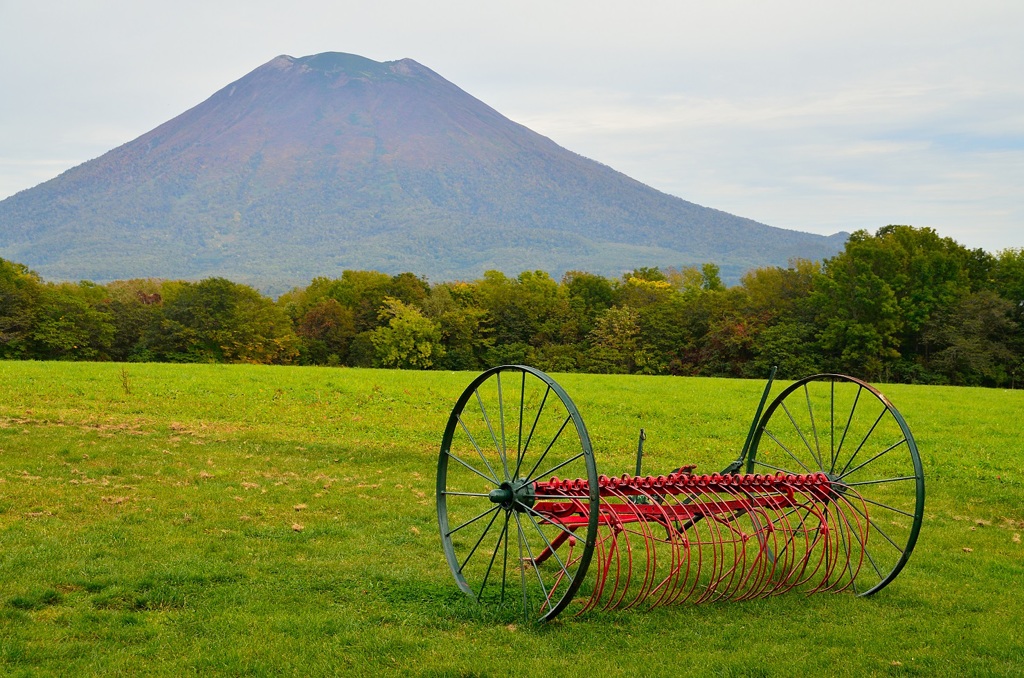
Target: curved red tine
x,y
666,539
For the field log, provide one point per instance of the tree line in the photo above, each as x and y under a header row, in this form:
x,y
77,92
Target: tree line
x,y
903,304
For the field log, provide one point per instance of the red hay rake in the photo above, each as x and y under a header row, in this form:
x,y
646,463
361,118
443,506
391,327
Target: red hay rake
x,y
526,520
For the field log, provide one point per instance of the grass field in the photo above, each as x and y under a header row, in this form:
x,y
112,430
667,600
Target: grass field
x,y
186,519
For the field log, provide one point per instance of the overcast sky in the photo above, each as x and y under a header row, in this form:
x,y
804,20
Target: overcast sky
x,y
817,116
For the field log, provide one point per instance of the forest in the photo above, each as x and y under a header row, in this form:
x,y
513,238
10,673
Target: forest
x,y
902,304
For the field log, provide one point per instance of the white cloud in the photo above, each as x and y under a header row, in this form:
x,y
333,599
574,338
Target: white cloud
x,y
818,115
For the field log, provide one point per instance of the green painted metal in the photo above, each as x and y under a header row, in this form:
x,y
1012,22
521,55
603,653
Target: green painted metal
x,y
640,452
894,499
738,463
506,507
828,424
757,414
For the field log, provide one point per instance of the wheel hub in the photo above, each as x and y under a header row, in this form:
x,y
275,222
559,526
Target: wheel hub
x,y
514,495
837,484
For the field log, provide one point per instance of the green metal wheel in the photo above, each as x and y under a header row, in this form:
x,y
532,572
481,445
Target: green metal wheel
x,y
512,427
843,427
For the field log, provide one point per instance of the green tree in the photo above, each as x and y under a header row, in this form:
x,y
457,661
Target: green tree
x,y
971,342
615,343
789,345
712,278
781,292
859,316
639,292
859,320
363,292
520,309
691,280
464,327
409,340
648,273
69,327
135,308
216,320
1007,275
20,292
778,302
589,296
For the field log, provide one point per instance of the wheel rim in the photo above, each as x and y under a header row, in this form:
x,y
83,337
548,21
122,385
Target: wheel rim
x,y
845,428
511,427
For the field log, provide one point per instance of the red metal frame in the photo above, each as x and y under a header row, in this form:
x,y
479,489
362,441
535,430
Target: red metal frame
x,y
665,539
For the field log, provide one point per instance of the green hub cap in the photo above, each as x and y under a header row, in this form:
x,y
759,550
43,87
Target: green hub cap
x,y
516,495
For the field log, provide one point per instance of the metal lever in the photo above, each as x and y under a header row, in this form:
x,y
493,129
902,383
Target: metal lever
x,y
640,452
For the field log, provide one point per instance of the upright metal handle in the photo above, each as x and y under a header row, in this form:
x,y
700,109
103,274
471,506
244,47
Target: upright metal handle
x,y
640,452
757,417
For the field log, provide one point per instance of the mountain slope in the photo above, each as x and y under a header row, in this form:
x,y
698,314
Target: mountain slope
x,y
307,166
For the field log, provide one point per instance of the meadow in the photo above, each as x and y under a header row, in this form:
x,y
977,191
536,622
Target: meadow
x,y
251,520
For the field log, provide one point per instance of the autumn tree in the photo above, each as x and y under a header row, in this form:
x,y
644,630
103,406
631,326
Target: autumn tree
x,y
325,332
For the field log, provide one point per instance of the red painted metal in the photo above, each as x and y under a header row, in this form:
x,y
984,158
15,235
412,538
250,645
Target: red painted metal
x,y
664,540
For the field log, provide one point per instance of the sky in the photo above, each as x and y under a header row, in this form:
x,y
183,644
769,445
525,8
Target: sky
x,y
817,116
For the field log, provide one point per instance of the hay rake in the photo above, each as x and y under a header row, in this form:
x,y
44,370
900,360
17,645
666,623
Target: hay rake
x,y
830,498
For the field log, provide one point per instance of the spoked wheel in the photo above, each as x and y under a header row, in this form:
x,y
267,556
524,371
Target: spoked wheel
x,y
514,426
845,428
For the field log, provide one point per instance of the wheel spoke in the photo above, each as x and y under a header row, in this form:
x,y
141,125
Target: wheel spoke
x,y
522,570
887,507
872,561
529,438
832,425
848,551
532,560
497,547
814,429
859,447
555,468
862,465
799,431
490,429
478,541
774,468
504,561
519,437
777,442
792,536
478,450
864,545
554,553
471,520
846,429
501,419
493,481
530,475
875,527
564,529
881,480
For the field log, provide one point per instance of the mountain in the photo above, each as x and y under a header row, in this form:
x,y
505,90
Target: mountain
x,y
308,166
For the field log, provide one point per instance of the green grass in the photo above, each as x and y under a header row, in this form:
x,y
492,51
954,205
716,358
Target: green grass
x,y
174,519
